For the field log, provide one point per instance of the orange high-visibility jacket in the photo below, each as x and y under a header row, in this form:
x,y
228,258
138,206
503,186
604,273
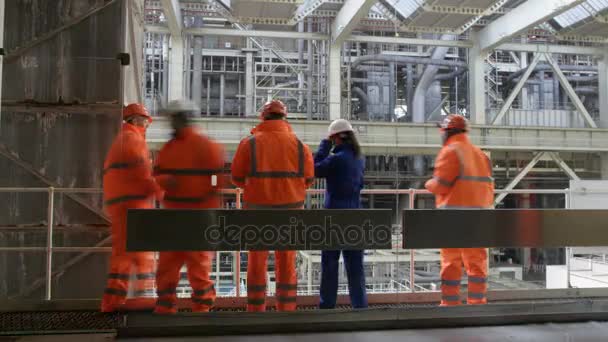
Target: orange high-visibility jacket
x,y
463,176
189,168
273,167
127,179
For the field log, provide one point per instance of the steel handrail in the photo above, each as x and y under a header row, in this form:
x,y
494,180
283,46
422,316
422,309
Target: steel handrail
x,y
49,249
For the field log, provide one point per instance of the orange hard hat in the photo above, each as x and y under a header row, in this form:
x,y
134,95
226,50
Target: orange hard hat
x,y
454,122
136,109
274,107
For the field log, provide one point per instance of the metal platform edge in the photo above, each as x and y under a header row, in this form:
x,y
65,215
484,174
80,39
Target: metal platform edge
x,y
229,323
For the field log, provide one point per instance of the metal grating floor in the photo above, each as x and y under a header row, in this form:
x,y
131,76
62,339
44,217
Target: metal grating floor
x,y
57,321
46,322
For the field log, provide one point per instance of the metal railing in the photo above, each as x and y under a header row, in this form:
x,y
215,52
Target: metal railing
x,y
49,248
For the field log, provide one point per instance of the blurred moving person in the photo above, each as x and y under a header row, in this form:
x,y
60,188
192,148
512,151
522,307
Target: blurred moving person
x,y
274,168
462,179
343,168
189,169
128,184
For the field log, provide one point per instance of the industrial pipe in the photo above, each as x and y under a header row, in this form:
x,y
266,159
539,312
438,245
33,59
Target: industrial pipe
x,y
586,90
409,60
362,96
418,109
547,67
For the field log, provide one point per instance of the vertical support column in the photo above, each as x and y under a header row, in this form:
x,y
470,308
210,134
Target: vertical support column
x,y
49,243
309,273
392,78
197,64
309,85
334,97
208,111
602,70
222,85
541,90
249,80
477,92
176,69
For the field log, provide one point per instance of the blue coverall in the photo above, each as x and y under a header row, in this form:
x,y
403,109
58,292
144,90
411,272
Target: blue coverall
x,y
344,174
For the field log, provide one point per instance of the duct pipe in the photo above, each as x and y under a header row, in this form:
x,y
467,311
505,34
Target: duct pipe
x,y
222,87
541,89
426,79
580,79
367,80
586,90
392,98
450,75
547,67
409,87
300,43
411,60
300,62
362,96
556,97
310,75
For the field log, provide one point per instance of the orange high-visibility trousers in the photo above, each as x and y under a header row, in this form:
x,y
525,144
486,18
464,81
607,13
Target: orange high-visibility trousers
x,y
198,266
475,262
285,277
122,264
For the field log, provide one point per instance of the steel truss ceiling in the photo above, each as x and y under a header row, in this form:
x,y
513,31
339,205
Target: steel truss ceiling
x,y
586,22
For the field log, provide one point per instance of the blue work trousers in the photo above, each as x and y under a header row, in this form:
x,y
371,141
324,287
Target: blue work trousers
x,y
353,261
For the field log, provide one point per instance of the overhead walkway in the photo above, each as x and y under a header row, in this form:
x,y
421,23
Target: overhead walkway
x,y
405,138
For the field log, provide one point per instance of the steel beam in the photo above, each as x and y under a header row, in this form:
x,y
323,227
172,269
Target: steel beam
x,y
521,18
306,9
570,91
348,18
209,31
562,165
544,48
172,11
411,41
507,105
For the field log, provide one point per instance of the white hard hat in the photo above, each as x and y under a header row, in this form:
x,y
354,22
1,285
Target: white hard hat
x,y
339,126
181,106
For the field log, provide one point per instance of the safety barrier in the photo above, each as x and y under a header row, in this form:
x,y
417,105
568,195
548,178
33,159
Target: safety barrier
x,y
49,248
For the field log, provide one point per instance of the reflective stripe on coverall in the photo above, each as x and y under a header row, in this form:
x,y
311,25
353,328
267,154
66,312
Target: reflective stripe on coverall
x,y
185,168
127,183
462,180
344,174
274,169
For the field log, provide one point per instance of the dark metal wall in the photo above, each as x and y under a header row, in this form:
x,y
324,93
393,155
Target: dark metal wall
x,y
60,111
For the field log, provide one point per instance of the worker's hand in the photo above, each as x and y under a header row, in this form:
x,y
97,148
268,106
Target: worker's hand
x,y
326,143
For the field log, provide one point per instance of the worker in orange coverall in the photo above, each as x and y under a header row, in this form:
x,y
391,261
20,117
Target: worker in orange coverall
x,y
462,180
189,168
274,168
128,184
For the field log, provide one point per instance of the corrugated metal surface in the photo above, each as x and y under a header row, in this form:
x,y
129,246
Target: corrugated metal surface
x,y
406,7
78,65
65,144
580,12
